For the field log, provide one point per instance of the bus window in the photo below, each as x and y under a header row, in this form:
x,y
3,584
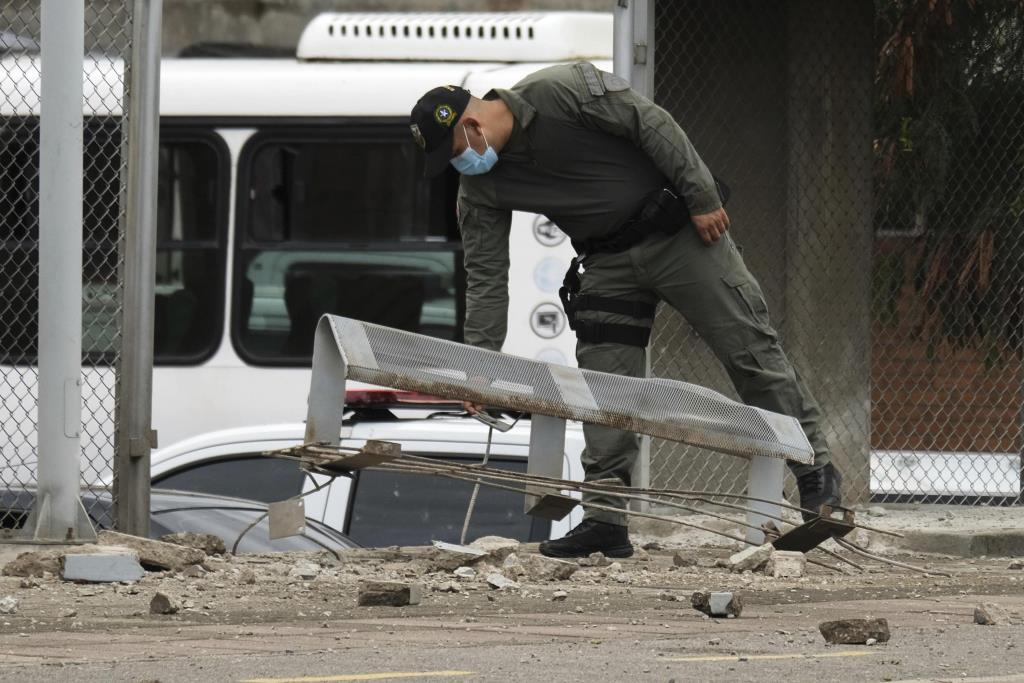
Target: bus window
x,y
344,223
190,253
191,212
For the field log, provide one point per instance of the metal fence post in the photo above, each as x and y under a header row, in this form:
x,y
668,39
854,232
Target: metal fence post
x,y
57,514
135,436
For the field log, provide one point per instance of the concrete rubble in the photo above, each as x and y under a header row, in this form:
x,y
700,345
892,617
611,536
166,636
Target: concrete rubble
x,y
208,543
500,582
161,603
107,567
9,605
854,631
751,559
154,553
388,594
717,604
786,564
594,560
497,548
451,556
990,614
680,559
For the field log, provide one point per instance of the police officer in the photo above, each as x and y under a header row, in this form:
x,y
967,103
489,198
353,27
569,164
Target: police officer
x,y
619,176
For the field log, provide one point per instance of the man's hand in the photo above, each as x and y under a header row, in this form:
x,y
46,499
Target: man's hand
x,y
711,226
473,408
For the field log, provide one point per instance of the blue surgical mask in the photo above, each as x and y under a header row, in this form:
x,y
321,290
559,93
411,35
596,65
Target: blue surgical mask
x,y
472,162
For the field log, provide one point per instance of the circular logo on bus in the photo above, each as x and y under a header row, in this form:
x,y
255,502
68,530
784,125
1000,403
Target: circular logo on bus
x,y
548,274
547,320
546,232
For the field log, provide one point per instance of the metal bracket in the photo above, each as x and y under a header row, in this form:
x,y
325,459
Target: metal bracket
x,y
810,535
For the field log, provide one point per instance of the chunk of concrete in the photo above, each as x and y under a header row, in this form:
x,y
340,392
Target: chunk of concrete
x,y
717,604
594,560
208,543
447,556
163,604
101,567
786,564
154,554
559,596
496,547
990,614
1016,565
752,558
247,577
195,571
500,582
9,604
540,568
304,571
448,587
854,631
465,572
34,564
388,594
682,560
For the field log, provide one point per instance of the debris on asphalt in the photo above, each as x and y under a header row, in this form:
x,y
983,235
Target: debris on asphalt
x,y
680,559
752,558
9,604
500,582
717,604
877,511
653,545
164,604
594,560
448,587
786,564
497,548
247,577
111,567
34,564
304,571
445,555
388,594
195,571
559,596
208,543
854,631
990,614
1016,564
464,572
541,568
154,553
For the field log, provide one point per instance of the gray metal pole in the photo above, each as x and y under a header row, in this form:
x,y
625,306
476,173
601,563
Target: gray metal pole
x,y
135,436
58,514
622,41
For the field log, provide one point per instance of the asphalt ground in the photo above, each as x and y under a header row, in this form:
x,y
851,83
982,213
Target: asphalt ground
x,y
615,625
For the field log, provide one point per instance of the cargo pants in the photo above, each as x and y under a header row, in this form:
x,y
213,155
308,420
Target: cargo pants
x,y
712,288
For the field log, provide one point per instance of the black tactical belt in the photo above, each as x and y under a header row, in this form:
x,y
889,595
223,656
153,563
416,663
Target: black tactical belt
x,y
664,213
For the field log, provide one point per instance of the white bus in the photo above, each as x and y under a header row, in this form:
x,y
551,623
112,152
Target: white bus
x,y
290,187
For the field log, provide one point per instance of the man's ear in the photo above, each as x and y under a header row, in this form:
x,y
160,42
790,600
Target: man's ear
x,y
472,124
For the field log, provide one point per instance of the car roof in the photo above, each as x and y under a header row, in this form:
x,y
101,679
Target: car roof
x,y
441,428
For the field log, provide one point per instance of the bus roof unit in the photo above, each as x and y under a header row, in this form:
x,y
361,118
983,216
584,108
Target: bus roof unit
x,y
458,37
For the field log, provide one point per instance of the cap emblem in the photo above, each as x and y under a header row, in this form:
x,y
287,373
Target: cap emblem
x,y
444,114
418,136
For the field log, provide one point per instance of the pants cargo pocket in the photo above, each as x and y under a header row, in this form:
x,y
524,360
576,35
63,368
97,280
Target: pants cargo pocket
x,y
750,299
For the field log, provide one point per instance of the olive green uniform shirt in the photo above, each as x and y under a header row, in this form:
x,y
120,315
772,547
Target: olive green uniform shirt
x,y
585,151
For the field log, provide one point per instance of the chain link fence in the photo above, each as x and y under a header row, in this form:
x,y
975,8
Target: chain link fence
x,y
875,155
108,42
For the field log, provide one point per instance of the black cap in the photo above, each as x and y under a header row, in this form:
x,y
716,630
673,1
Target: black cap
x,y
433,122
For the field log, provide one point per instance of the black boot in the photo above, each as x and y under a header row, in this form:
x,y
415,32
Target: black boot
x,y
820,487
588,537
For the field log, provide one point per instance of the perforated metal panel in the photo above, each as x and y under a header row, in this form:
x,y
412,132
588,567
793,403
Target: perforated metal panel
x,y
664,408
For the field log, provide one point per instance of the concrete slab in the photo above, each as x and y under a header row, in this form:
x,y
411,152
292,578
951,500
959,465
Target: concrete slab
x,y
102,568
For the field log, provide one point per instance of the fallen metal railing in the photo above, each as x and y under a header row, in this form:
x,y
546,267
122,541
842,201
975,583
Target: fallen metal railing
x,y
350,349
